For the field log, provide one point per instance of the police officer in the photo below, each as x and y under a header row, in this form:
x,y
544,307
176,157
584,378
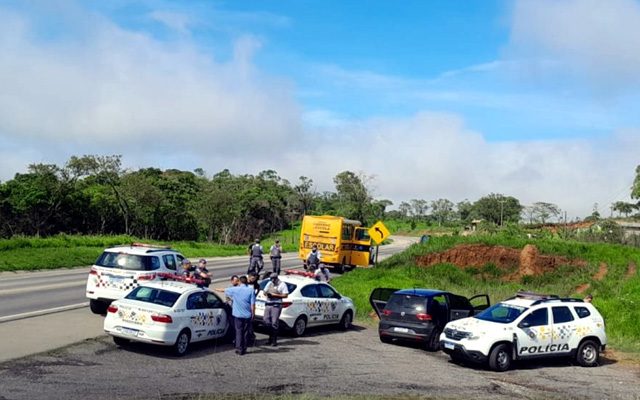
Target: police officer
x,y
187,270
252,281
276,255
313,259
255,257
276,290
201,272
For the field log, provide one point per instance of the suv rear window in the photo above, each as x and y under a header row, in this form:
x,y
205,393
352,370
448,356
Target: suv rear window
x,y
399,302
128,261
154,296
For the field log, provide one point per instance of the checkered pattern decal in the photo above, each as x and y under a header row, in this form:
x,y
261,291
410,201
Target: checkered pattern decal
x,y
111,281
562,332
319,306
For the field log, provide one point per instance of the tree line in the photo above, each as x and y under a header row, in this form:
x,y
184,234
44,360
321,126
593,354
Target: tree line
x,y
95,195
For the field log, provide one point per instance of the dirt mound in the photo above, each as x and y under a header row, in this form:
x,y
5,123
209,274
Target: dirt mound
x,y
602,272
527,261
631,271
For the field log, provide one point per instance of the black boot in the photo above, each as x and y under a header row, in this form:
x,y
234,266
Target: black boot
x,y
270,341
274,342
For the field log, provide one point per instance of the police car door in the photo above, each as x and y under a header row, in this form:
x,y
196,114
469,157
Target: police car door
x,y
564,328
197,313
311,300
533,333
330,303
218,320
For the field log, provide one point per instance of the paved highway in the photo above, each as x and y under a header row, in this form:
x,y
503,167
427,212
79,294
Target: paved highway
x,y
28,294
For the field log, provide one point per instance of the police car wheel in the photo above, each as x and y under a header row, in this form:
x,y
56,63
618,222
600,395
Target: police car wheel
x,y
345,322
182,343
588,354
500,358
98,307
120,341
299,326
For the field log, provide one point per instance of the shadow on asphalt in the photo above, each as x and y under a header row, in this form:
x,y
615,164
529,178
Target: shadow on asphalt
x,y
286,343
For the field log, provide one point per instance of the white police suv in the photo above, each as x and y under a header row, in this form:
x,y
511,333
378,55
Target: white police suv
x,y
310,303
167,313
527,326
118,270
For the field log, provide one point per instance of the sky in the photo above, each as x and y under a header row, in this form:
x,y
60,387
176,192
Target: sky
x,y
535,99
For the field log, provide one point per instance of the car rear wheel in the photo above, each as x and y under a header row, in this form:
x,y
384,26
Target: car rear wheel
x,y
588,354
98,307
500,358
120,341
433,344
182,343
385,339
347,319
299,326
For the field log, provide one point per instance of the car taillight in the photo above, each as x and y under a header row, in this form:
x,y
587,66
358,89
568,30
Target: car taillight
x,y
93,271
112,308
162,318
148,277
286,304
386,312
423,317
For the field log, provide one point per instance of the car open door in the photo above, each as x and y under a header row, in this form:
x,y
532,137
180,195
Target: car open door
x,y
480,302
379,297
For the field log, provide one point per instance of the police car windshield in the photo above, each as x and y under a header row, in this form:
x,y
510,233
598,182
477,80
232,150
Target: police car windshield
x,y
128,261
502,313
152,295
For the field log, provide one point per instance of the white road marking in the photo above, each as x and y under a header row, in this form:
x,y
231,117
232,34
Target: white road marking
x,y
42,312
36,288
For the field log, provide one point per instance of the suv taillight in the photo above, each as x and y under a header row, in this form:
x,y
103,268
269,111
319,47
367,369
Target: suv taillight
x,y
162,318
93,271
423,317
386,312
112,308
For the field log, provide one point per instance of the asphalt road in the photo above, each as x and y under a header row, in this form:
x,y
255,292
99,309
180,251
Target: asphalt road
x,y
26,294
325,361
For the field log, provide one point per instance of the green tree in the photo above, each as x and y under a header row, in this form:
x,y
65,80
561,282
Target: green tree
x,y
623,207
109,170
498,208
543,211
442,210
353,195
635,189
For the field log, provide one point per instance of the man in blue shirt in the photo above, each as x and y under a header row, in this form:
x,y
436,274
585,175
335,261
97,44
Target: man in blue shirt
x,y
243,308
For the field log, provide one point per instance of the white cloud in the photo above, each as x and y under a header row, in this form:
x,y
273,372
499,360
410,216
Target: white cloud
x,y
595,41
171,105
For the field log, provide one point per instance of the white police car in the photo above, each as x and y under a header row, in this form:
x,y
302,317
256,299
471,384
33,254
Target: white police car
x,y
527,326
167,313
120,269
310,303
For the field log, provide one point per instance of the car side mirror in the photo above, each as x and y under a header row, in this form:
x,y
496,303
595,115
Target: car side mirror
x,y
524,324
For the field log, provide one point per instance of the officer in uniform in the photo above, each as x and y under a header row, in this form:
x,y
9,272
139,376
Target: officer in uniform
x,y
276,255
276,290
255,257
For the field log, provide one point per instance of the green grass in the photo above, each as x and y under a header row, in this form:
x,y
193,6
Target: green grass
x,y
617,297
66,251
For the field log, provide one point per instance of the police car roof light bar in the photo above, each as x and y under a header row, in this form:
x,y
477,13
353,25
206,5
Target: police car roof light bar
x,y
153,246
301,273
534,296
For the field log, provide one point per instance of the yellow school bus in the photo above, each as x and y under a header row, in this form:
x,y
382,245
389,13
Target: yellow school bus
x,y
342,242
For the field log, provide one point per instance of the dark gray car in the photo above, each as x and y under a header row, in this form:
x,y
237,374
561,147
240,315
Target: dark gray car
x,y
419,315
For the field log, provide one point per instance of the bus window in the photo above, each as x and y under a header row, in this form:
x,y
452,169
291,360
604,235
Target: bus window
x,y
362,234
347,232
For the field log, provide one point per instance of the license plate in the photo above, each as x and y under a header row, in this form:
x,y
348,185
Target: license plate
x,y
131,332
449,346
402,330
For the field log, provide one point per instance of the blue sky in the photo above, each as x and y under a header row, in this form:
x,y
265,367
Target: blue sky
x,y
537,99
